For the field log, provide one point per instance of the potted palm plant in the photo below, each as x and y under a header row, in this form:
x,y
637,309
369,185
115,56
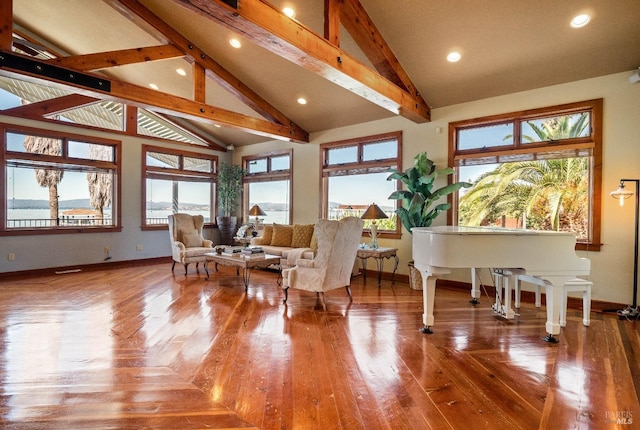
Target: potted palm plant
x,y
229,192
418,207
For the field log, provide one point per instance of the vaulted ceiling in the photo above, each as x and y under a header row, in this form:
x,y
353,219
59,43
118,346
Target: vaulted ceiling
x,y
354,61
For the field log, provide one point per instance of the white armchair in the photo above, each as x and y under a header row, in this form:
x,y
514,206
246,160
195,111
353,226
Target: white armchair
x,y
332,265
187,243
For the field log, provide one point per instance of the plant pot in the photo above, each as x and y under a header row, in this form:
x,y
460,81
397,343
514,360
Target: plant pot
x,y
227,226
415,277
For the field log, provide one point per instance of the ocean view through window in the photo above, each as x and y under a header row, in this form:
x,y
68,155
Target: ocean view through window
x,y
57,181
177,181
354,175
268,185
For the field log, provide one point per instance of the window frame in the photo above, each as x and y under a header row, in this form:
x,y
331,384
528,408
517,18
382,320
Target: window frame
x,y
268,176
326,171
64,159
181,174
592,143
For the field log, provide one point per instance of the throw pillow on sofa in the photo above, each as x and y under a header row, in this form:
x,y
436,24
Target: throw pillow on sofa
x,y
301,237
281,235
313,244
267,235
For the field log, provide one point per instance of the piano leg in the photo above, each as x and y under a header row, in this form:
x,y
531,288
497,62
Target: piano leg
x,y
428,297
475,290
554,301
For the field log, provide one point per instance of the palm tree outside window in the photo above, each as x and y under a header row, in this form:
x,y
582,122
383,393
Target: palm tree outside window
x,y
537,169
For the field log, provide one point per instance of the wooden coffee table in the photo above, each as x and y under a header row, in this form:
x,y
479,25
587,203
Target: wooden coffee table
x,y
241,262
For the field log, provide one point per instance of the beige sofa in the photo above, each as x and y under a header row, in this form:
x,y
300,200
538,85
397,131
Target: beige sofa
x,y
290,242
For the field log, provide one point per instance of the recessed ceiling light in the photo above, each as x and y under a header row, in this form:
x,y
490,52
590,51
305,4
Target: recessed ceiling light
x,y
580,20
289,12
235,43
453,57
154,86
181,72
302,100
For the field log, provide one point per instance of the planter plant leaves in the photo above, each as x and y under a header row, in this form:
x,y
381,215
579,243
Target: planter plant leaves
x,y
419,208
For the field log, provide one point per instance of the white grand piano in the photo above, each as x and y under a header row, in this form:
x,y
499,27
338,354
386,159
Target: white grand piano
x,y
549,255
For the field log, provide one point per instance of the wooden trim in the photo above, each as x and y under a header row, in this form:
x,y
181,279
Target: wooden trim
x,y
33,273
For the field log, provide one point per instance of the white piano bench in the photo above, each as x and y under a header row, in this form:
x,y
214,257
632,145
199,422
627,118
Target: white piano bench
x,y
573,285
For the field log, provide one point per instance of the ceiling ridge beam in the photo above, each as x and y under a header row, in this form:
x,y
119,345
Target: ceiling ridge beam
x,y
103,60
267,27
135,11
33,70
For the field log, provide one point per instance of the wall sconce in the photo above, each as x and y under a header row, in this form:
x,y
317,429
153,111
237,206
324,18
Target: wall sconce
x,y
374,212
622,195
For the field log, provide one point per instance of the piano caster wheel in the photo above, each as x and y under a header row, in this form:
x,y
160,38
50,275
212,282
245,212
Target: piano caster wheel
x,y
426,330
549,338
474,301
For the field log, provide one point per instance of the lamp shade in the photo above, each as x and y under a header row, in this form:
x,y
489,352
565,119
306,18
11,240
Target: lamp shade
x,y
374,212
621,194
256,211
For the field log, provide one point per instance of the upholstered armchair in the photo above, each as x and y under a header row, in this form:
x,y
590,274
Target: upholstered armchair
x,y
187,243
333,262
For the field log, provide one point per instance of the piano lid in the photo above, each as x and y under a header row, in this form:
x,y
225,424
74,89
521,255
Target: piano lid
x,y
537,251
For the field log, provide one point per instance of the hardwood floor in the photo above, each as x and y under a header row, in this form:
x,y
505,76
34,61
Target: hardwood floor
x,y
141,347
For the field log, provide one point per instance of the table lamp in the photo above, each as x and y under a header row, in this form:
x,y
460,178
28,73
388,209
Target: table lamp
x,y
373,213
622,195
256,212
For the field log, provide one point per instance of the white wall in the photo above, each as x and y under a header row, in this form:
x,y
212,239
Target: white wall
x,y
77,249
611,268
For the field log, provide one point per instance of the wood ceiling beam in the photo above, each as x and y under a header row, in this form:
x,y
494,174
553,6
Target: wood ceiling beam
x,y
37,71
332,21
144,18
267,27
51,106
364,32
103,60
6,24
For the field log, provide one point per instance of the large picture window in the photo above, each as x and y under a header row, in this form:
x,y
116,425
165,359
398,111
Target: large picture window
x,y
268,185
538,169
177,181
354,175
56,182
